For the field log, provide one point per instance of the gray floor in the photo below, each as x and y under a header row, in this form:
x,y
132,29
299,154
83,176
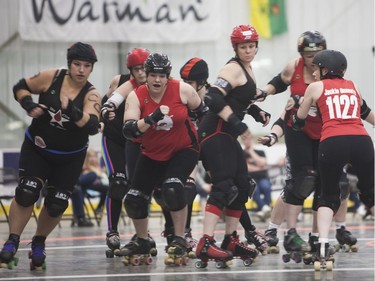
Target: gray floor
x,y
79,254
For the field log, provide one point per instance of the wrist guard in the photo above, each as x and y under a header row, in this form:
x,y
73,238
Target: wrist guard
x,y
297,123
106,108
73,112
272,139
28,104
237,124
154,117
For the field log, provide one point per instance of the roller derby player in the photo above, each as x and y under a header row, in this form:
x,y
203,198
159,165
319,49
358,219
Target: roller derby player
x,y
54,147
159,114
229,99
344,140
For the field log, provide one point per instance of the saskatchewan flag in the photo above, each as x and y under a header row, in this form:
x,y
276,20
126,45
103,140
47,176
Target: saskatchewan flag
x,y
268,17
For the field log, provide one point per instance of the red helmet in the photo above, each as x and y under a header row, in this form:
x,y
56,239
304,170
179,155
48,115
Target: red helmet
x,y
137,56
242,34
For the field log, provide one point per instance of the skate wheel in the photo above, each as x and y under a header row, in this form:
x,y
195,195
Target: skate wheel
x,y
200,264
329,265
346,248
3,265
247,262
354,248
228,263
153,252
337,247
308,260
135,261
286,258
185,260
273,250
192,255
178,261
168,260
125,261
116,252
317,265
296,257
148,260
220,264
109,254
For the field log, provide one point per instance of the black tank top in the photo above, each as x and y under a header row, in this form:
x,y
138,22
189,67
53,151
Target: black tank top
x,y
53,130
239,99
113,128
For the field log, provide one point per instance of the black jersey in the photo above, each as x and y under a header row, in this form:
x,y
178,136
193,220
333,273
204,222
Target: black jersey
x,y
53,130
113,128
239,99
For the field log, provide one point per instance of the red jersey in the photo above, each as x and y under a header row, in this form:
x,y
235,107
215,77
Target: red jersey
x,y
298,87
174,132
340,107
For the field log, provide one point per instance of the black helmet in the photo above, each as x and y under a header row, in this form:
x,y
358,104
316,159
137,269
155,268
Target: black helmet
x,y
311,41
81,51
334,61
158,63
194,69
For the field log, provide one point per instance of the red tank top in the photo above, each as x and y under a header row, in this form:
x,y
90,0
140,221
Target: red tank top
x,y
171,134
340,107
297,88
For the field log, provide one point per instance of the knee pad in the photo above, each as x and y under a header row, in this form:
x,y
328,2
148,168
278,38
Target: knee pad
x,y
334,205
136,204
223,194
367,199
190,190
158,197
304,183
289,195
118,186
28,191
173,194
56,201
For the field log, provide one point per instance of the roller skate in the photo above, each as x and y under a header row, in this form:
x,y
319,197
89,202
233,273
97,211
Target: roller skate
x,y
153,250
239,250
7,254
309,258
113,243
272,240
295,247
37,253
191,242
257,239
177,252
136,252
324,257
347,242
208,251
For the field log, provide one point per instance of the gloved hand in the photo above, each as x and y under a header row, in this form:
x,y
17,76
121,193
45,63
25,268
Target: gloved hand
x,y
154,117
73,112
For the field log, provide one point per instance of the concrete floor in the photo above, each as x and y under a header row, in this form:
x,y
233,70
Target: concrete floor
x,y
77,253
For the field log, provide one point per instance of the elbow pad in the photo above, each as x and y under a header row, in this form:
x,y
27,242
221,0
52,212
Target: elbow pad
x,y
130,130
279,84
92,126
214,99
21,85
365,110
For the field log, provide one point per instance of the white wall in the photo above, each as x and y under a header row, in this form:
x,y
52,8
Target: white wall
x,y
348,26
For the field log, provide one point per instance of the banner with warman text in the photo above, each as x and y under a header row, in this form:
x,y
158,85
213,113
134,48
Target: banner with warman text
x,y
141,21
